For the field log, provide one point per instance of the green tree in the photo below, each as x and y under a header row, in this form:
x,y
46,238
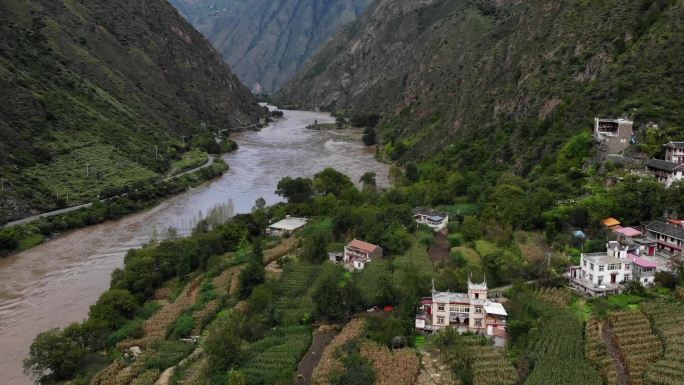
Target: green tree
x,y
369,138
331,181
368,181
53,356
412,173
316,248
114,307
335,296
252,275
297,190
222,344
470,228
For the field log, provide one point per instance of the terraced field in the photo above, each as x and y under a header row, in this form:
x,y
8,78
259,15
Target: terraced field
x,y
490,366
597,352
85,172
639,347
668,323
277,352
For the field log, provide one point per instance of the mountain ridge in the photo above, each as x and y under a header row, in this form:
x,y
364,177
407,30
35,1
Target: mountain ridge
x,y
506,75
266,42
90,88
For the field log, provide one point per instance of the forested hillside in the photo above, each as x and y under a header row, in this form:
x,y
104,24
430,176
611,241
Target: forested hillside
x,y
504,82
96,95
264,41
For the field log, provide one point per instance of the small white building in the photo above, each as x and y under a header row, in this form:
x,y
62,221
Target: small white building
x,y
437,220
286,226
358,253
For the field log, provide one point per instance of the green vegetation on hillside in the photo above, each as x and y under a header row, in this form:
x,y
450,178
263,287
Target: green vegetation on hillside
x,y
100,95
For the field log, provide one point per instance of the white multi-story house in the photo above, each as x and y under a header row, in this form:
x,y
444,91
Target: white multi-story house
x,y
604,273
437,220
471,311
358,253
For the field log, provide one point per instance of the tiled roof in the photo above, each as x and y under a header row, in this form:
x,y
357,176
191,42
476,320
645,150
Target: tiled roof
x,y
666,229
628,231
365,246
675,144
430,212
660,164
642,261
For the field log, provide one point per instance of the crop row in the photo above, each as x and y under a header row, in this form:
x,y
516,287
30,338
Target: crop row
x,y
557,351
280,351
668,323
597,352
638,346
560,297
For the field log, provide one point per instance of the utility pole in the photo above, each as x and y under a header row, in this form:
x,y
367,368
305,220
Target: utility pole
x,y
87,170
2,184
156,152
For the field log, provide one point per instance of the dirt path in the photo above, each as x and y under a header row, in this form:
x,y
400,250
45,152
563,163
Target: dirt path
x,y
439,250
620,368
165,377
305,369
433,371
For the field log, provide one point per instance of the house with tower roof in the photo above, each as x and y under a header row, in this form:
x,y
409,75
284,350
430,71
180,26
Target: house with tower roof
x,y
467,312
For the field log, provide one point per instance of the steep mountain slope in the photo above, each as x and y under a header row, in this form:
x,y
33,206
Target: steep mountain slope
x,y
501,81
89,88
264,41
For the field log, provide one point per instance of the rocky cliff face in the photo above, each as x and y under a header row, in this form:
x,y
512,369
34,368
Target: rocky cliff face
x,y
101,83
264,41
508,81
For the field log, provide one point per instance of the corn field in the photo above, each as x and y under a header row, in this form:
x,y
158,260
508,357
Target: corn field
x,y
668,323
328,362
560,297
398,367
597,352
557,349
638,346
490,366
279,351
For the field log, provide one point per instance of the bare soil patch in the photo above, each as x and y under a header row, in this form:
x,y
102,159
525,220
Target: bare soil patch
x,y
321,339
439,250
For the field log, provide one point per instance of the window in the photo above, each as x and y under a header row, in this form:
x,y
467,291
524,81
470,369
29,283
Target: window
x,y
601,267
452,308
591,266
478,309
440,307
600,280
477,295
585,263
440,320
478,322
591,277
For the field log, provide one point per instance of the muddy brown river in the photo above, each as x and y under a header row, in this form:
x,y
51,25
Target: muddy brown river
x,y
54,284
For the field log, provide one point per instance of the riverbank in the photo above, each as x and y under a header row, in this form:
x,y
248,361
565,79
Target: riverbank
x,y
22,235
56,283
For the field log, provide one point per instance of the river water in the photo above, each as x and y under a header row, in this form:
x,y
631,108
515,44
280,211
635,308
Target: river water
x,y
54,284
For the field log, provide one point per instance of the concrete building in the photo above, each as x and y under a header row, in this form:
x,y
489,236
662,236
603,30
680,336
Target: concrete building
x,y
358,253
668,236
671,169
286,226
604,273
471,311
613,135
437,220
